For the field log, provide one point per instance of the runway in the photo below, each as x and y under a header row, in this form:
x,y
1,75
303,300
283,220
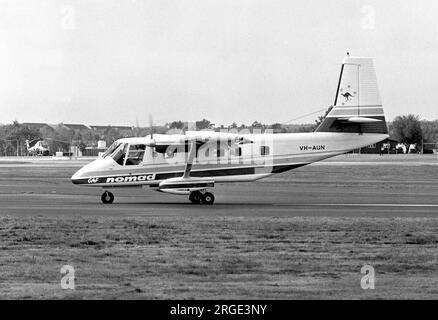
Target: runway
x,y
72,205
330,188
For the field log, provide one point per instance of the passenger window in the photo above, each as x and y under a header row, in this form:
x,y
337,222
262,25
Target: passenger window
x,y
169,155
264,150
170,151
135,154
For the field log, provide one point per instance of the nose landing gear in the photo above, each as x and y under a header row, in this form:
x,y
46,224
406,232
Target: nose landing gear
x,y
197,197
107,197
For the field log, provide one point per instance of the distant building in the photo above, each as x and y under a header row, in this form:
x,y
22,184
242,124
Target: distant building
x,y
78,127
430,148
386,146
101,144
92,152
103,128
34,125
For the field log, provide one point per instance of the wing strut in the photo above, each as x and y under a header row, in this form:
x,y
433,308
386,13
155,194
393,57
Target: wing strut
x,y
192,154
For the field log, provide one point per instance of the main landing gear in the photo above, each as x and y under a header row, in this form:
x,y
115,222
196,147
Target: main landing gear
x,y
107,197
199,197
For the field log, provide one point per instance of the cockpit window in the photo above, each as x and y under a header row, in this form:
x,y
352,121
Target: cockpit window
x,y
129,154
111,149
135,154
119,154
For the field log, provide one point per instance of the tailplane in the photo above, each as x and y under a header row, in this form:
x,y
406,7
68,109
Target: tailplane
x,y
357,107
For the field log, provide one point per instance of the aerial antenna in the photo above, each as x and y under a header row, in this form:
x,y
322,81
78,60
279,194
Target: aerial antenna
x,y
137,126
358,97
151,125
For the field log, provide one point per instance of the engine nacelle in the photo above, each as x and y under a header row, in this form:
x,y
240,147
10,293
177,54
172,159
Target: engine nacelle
x,y
178,191
182,185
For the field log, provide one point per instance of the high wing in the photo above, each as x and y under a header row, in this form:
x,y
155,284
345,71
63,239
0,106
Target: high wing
x,y
212,136
194,140
162,142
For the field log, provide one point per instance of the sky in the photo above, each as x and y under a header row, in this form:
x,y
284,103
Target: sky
x,y
115,61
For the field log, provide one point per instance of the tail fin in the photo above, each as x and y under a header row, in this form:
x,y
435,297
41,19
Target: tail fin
x,y
357,107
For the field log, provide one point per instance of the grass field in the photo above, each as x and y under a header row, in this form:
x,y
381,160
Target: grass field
x,y
180,251
161,257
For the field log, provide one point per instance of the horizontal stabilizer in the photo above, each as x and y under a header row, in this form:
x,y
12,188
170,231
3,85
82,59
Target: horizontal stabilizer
x,y
360,119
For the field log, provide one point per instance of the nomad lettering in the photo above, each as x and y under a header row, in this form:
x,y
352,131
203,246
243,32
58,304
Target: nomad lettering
x,y
131,179
312,148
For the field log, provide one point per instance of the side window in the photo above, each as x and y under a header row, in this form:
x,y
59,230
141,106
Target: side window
x,y
169,155
205,151
237,152
264,150
170,152
135,154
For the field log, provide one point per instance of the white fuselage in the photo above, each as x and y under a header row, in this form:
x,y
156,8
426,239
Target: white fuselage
x,y
221,162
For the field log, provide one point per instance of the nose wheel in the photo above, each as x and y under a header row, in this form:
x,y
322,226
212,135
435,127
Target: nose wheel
x,y
198,197
107,197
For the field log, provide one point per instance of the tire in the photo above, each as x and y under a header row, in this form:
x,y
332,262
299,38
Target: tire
x,y
208,198
195,197
107,197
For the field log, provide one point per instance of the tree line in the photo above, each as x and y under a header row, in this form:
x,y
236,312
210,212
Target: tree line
x,y
407,129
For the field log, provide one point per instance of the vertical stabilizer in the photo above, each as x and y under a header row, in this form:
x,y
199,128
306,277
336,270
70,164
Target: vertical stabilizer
x,y
357,107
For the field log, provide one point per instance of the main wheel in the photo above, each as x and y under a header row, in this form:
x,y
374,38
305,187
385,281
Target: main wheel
x,y
207,198
195,197
107,197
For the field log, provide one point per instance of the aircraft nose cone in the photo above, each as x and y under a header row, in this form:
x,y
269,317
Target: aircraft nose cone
x,y
80,176
88,171
76,177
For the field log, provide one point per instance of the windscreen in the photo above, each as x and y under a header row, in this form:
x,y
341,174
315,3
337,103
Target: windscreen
x,y
111,149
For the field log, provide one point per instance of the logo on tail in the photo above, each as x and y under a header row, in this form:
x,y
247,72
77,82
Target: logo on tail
x,y
347,95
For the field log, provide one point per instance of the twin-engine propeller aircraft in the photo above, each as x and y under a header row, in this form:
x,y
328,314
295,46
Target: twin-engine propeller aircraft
x,y
194,162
